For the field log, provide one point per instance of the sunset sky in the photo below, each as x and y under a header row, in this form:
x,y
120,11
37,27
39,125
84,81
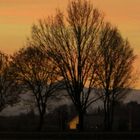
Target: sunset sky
x,y
17,17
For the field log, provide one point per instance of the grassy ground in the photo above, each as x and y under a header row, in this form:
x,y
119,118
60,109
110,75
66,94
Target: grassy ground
x,y
69,136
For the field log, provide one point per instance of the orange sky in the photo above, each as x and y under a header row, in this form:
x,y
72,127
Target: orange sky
x,y
17,17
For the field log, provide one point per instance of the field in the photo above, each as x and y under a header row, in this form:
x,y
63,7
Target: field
x,y
68,136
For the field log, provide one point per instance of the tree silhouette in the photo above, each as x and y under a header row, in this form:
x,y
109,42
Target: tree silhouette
x,y
33,69
71,43
8,92
114,69
88,53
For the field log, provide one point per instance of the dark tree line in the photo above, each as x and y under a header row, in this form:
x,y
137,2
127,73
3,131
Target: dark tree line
x,y
78,52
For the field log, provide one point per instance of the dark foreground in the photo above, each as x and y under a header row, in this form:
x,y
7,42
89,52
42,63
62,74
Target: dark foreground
x,y
69,136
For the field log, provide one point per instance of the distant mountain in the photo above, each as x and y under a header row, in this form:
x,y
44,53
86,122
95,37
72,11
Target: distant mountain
x,y
133,95
25,107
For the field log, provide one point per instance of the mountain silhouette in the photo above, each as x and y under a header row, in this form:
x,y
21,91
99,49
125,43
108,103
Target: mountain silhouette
x,y
24,106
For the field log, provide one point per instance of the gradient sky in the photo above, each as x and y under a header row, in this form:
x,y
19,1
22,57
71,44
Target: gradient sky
x,y
17,17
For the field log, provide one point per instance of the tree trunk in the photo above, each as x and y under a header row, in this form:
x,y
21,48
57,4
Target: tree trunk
x,y
108,116
41,121
105,116
81,121
112,114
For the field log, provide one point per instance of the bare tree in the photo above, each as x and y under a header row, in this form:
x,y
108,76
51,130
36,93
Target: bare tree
x,y
114,70
8,95
71,42
33,69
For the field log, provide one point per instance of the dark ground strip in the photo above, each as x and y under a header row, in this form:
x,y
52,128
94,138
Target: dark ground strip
x,y
69,136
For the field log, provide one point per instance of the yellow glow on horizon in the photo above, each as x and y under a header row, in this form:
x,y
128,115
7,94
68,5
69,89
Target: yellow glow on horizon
x,y
73,123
